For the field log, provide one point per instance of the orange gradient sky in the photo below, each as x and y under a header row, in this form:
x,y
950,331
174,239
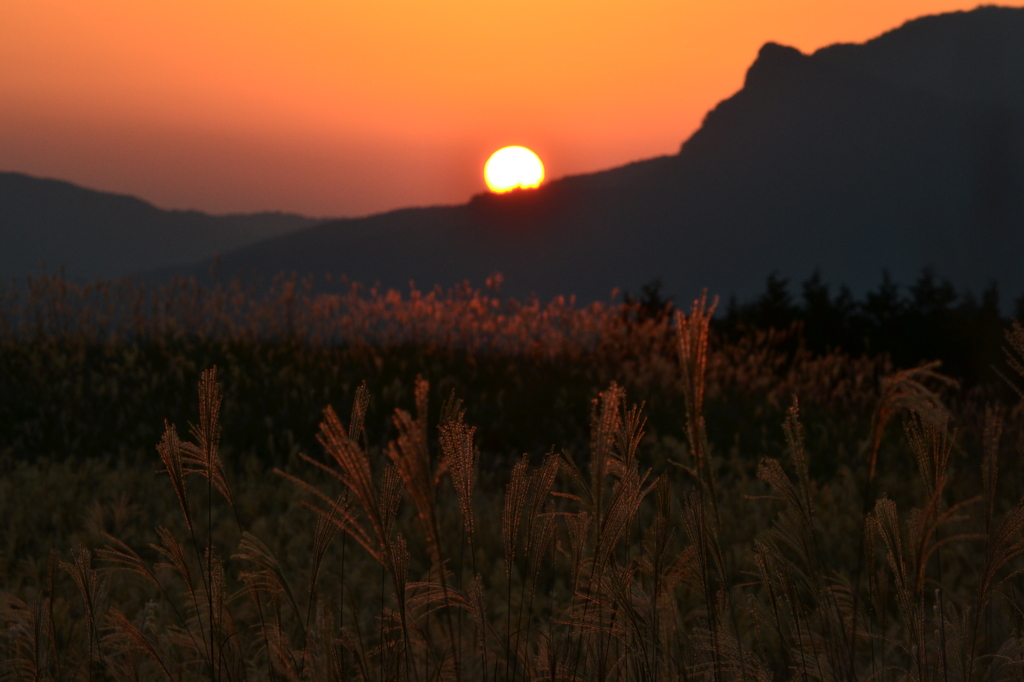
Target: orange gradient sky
x,y
336,107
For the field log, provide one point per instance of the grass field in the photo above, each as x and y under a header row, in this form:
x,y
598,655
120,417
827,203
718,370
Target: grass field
x,y
455,486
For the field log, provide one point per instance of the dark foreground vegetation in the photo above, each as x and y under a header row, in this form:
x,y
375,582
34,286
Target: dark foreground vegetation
x,y
346,496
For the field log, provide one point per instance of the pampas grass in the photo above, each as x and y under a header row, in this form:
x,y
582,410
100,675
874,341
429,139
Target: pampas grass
x,y
349,562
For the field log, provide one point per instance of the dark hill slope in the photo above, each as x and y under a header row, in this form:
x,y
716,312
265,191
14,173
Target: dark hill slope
x,y
903,152
97,234
974,56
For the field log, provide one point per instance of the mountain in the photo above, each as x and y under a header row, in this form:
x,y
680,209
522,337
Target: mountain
x,y
96,234
903,152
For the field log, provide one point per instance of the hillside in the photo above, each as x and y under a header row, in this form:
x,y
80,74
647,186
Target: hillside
x,y
97,234
903,152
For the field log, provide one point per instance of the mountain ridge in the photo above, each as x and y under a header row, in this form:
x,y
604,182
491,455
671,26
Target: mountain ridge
x,y
897,154
821,161
93,234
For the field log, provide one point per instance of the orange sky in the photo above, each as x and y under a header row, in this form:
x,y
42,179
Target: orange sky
x,y
342,107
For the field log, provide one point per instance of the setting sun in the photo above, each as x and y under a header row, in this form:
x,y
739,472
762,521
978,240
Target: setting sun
x,y
512,168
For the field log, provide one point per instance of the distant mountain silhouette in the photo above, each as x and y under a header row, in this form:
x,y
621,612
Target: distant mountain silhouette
x,y
903,152
97,234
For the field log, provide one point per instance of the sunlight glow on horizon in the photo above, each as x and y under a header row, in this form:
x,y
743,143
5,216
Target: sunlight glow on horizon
x,y
512,168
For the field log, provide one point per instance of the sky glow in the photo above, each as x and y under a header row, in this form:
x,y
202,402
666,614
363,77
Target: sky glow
x,y
345,108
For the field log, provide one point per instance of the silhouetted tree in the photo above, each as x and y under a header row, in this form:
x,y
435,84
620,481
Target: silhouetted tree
x,y
651,305
931,322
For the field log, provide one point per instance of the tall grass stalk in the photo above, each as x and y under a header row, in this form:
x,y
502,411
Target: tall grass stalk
x,y
704,571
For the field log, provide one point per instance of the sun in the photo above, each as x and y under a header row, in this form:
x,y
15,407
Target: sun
x,y
512,168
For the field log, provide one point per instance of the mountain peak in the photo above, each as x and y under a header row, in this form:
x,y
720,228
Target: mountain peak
x,y
774,61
